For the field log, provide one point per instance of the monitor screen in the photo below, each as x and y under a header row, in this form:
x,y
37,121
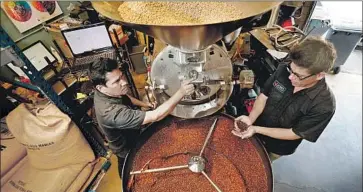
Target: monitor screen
x,y
88,39
36,53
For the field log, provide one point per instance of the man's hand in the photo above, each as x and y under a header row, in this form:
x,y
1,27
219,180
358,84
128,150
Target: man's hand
x,y
186,88
152,105
244,119
148,106
245,134
168,106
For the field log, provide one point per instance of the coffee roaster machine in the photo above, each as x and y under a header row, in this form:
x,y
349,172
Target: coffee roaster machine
x,y
192,54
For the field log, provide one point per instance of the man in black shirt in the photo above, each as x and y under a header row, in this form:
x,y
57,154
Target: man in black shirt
x,y
296,103
113,107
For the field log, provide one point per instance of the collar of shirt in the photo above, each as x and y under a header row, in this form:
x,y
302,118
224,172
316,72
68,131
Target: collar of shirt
x,y
313,91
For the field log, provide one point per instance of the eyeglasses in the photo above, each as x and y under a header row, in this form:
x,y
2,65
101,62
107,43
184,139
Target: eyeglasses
x,y
288,67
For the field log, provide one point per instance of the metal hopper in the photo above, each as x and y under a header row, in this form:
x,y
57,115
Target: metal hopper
x,y
194,37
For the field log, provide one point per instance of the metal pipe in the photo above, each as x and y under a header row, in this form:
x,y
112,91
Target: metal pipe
x,y
208,136
159,169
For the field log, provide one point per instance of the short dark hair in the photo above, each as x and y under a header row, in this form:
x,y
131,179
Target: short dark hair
x,y
99,68
315,54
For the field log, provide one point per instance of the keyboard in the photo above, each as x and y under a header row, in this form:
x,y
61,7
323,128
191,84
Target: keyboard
x,y
82,63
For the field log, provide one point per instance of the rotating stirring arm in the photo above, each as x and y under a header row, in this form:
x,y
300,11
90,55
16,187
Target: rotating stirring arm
x,y
208,136
210,181
159,169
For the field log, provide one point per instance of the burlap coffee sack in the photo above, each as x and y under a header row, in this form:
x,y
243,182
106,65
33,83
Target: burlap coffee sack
x,y
30,179
51,138
4,131
11,153
83,178
12,171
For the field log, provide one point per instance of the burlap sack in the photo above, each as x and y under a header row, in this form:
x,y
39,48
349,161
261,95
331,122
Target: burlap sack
x,y
51,138
82,178
96,169
5,133
12,171
30,179
11,153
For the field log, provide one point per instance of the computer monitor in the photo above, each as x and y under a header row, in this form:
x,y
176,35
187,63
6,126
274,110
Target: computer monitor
x,y
87,38
36,53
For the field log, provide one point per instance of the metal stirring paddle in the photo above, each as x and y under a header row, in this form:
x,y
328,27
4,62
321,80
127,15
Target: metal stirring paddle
x,y
208,136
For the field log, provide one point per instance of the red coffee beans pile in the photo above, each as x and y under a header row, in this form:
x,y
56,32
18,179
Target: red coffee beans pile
x,y
233,164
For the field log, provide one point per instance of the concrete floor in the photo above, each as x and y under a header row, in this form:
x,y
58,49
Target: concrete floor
x,y
334,162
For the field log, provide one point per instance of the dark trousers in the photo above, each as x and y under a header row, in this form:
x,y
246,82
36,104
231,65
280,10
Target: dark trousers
x,y
120,165
131,138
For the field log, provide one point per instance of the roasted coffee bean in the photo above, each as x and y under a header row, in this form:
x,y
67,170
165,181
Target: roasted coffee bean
x,y
233,164
243,126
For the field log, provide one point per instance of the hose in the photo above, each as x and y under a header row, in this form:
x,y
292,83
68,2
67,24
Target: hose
x,y
281,39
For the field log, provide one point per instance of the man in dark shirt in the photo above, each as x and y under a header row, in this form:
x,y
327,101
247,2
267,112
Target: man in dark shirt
x,y
296,103
113,107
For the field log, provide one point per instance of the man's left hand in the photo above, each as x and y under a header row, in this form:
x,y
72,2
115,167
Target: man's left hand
x,y
151,105
245,134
